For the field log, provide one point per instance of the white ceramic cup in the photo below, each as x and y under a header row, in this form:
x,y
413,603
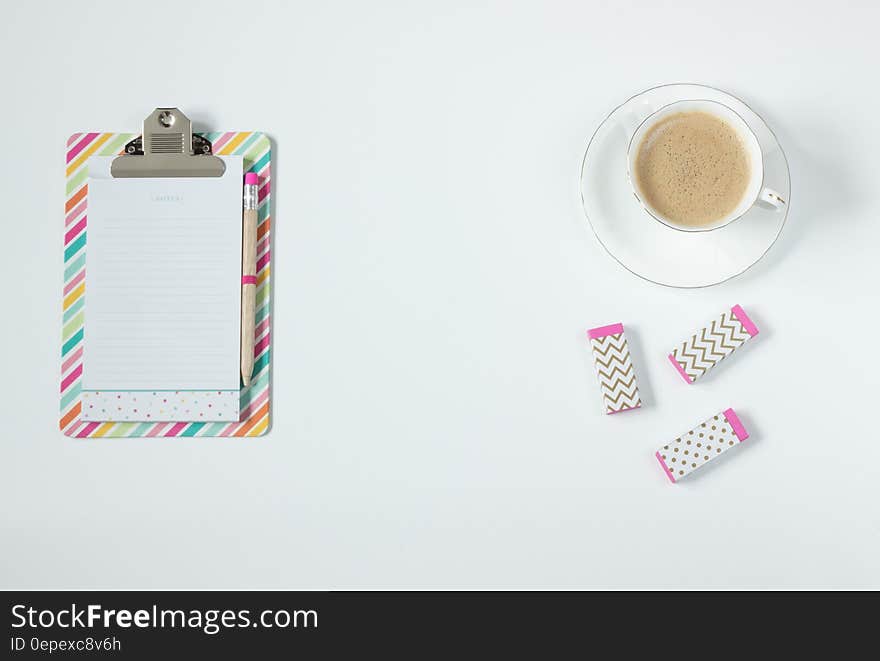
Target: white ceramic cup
x,y
755,191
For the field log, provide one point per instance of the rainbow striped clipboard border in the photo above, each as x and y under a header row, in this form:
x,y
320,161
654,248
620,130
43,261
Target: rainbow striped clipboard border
x,y
255,400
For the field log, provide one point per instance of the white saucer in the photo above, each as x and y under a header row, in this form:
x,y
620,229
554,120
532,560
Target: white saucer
x,y
650,249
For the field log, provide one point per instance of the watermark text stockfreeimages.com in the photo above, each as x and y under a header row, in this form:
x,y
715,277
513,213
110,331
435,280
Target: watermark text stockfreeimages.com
x,y
209,621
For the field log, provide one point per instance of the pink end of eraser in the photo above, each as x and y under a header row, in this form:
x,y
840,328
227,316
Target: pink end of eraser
x,y
251,179
735,424
743,318
665,467
680,369
604,331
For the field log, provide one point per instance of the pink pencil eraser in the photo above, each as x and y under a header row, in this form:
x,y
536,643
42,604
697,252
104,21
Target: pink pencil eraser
x,y
712,343
700,445
617,379
251,179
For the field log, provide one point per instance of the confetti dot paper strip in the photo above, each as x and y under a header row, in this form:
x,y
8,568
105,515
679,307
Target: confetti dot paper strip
x,y
700,445
160,406
703,350
617,378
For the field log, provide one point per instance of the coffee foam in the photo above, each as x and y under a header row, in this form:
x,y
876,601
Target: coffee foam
x,y
692,168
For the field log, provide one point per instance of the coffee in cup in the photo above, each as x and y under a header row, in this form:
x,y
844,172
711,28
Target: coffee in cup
x,y
696,166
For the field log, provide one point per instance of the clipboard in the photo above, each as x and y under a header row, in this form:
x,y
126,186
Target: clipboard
x,y
167,147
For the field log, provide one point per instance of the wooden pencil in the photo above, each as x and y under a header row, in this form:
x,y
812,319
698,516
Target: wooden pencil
x,y
248,275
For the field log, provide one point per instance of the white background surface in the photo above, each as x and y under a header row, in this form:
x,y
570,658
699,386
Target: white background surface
x,y
436,417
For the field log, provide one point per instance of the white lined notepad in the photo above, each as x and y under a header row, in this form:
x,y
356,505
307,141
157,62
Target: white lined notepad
x,y
164,283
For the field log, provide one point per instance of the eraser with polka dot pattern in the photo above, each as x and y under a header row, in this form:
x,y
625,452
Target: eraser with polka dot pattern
x,y
700,445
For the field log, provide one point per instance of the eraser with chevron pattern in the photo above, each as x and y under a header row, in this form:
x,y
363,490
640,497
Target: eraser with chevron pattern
x,y
617,378
700,445
711,344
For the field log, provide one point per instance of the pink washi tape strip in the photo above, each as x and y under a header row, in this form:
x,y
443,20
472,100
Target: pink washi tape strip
x,y
700,445
617,378
712,343
248,279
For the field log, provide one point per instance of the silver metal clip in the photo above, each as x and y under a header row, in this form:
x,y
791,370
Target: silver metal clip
x,y
167,148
